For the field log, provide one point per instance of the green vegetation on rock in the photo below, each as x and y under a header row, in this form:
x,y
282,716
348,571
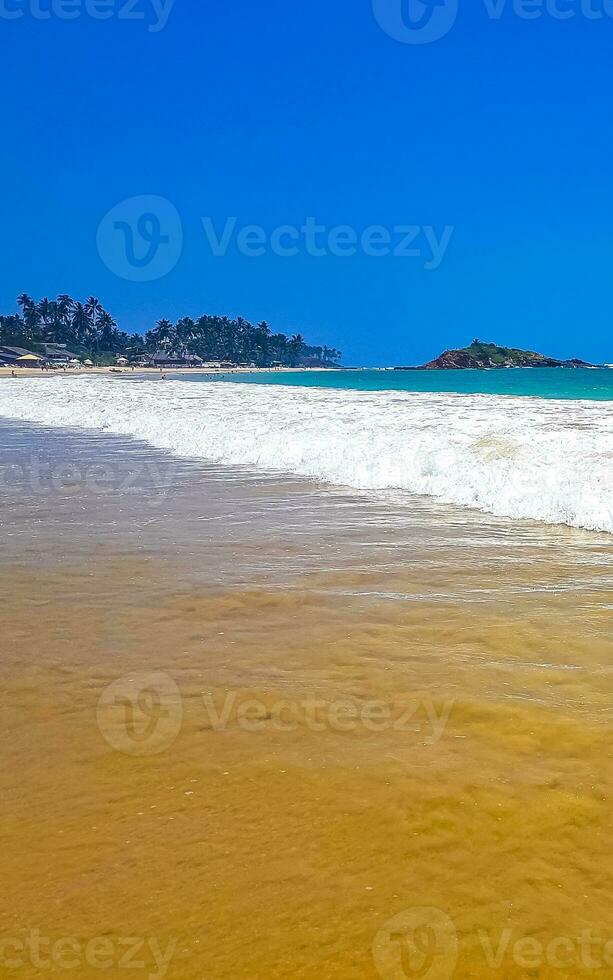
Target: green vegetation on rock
x,y
483,355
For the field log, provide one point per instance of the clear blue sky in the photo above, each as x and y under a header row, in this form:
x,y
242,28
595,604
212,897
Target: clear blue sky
x,y
276,111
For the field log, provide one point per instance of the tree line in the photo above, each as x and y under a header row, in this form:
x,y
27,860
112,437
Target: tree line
x,y
89,330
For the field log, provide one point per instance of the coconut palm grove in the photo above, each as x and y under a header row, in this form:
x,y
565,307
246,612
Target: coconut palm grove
x,y
92,332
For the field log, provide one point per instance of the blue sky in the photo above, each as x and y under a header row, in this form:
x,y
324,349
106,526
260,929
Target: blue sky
x,y
275,112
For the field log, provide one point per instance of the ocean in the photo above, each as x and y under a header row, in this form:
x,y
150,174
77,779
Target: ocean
x,y
593,384
513,454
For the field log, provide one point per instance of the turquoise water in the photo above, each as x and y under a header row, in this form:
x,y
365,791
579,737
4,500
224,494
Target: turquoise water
x,y
565,383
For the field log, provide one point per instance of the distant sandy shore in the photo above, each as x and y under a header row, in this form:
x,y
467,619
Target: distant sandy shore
x,y
74,372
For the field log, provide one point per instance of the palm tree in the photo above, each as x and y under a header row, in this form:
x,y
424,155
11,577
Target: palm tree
x,y
107,331
80,324
92,328
11,329
278,348
31,317
65,306
295,348
45,311
57,321
163,334
185,332
261,343
331,354
93,308
25,302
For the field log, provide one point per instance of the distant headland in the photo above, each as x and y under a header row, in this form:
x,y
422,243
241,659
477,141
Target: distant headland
x,y
64,329
483,355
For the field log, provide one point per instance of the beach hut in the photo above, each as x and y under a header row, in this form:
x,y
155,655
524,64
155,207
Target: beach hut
x,y
169,359
122,362
10,355
58,354
88,363
29,360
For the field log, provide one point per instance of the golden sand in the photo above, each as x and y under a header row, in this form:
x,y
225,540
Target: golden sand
x,y
436,737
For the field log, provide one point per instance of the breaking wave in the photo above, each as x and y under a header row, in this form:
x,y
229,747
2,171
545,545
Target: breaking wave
x,y
547,460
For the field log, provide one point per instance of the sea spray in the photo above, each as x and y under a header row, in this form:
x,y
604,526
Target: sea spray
x,y
547,460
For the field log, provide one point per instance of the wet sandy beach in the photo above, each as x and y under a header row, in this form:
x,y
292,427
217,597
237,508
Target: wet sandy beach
x,y
262,728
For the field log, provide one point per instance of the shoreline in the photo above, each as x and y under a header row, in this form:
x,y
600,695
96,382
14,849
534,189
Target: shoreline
x,y
343,439
429,685
7,372
20,372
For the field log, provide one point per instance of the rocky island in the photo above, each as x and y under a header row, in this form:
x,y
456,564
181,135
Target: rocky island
x,y
483,355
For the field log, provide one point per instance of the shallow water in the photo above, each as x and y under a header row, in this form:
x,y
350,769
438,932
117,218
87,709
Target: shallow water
x,y
547,460
265,725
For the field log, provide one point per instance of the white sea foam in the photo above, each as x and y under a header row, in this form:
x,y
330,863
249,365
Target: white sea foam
x,y
517,457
